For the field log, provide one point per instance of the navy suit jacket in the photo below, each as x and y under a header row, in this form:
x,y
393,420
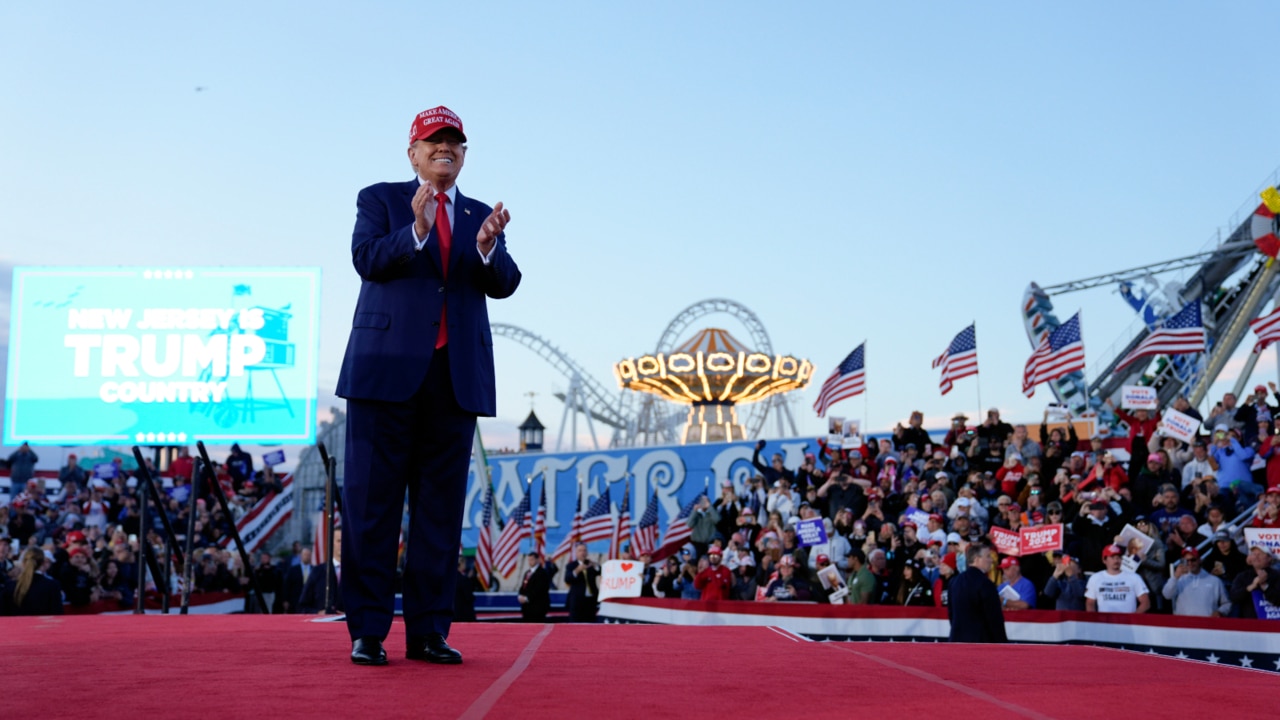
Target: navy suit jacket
x,y
393,333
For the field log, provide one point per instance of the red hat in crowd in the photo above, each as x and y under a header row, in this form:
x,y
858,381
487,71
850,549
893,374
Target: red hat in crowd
x,y
715,550
935,517
75,536
823,559
950,561
1273,490
786,560
910,524
746,512
935,541
430,122
79,551
1009,562
1190,552
1110,550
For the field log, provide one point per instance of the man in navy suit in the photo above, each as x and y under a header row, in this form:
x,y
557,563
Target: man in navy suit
x,y
417,372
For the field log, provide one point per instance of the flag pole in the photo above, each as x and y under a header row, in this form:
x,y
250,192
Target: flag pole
x,y
977,375
866,402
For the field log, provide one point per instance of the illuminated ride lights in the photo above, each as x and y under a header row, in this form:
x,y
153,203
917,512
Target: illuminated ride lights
x,y
712,372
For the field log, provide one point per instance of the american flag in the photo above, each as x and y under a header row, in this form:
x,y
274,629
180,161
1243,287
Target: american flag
x,y
484,548
1267,329
575,531
646,534
960,360
1060,353
1181,333
540,525
597,524
517,529
621,530
848,379
678,532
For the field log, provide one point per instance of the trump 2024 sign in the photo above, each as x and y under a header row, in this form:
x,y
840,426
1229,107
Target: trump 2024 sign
x,y
162,356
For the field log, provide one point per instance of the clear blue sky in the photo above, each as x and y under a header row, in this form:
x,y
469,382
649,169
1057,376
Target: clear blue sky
x,y
850,171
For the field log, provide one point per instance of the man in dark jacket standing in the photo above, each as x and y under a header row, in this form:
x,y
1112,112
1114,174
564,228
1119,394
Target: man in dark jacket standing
x,y
535,590
974,607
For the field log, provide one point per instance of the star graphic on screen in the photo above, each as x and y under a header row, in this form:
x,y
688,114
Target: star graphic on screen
x,y
1181,655
1152,651
1246,661
1278,664
1213,658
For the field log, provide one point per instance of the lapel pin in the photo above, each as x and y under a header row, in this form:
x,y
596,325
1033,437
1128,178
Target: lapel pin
x,y
466,211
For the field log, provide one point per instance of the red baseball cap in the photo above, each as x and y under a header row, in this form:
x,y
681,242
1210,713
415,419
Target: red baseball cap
x,y
1190,552
936,517
1110,550
786,560
950,561
430,122
911,524
1009,562
822,558
75,536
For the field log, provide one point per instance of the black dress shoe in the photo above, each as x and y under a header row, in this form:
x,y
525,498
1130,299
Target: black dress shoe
x,y
368,651
432,648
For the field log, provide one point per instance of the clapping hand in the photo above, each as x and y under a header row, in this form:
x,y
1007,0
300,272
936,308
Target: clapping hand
x,y
491,228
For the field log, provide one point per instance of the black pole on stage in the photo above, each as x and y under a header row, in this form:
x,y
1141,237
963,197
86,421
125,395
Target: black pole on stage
x,y
330,493
216,489
142,551
170,542
188,567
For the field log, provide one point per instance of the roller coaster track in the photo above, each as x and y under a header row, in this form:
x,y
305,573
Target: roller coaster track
x,y
600,404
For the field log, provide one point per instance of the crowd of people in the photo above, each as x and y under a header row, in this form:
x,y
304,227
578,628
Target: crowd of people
x,y
900,512
77,544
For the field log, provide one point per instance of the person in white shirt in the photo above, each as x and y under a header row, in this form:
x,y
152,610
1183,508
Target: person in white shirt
x,y
1116,590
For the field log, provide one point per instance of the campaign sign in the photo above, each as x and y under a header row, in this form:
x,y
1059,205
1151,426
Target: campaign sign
x,y
1038,539
273,458
917,516
105,471
1006,542
621,578
1057,412
1268,538
162,356
1138,397
1264,609
1179,425
810,532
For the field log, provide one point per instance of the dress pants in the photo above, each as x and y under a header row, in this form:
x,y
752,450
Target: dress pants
x,y
422,445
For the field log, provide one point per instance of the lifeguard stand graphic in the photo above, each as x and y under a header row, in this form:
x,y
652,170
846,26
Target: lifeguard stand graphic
x,y
280,353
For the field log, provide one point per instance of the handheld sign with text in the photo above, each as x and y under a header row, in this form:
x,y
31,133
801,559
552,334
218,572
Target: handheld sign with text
x,y
1178,425
1038,539
1057,412
1006,542
105,471
621,578
917,516
1138,397
1268,538
273,458
810,532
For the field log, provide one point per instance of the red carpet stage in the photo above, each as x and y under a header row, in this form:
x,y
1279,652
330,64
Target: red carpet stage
x,y
250,666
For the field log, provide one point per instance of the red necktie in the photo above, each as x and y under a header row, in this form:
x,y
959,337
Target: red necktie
x,y
445,235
